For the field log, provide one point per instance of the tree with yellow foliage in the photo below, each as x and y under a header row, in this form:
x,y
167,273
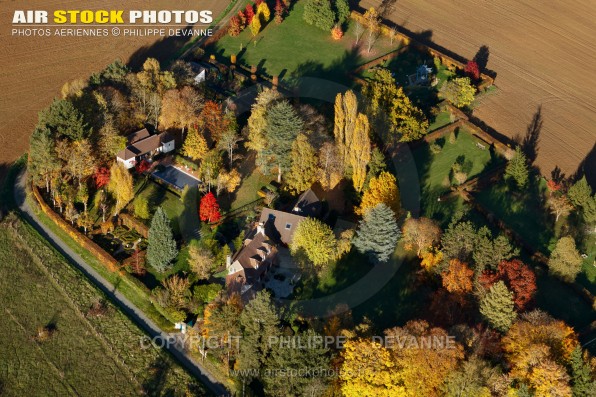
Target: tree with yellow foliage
x,y
422,358
120,186
430,259
195,144
550,379
535,339
368,370
352,136
382,189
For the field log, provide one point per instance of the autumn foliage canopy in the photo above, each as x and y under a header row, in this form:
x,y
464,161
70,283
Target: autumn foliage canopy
x,y
209,209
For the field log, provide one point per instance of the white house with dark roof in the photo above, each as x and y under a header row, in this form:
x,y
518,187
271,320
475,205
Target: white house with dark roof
x,y
142,145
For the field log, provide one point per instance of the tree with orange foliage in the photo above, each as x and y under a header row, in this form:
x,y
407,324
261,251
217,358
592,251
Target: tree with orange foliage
x,y
518,278
213,119
457,279
532,344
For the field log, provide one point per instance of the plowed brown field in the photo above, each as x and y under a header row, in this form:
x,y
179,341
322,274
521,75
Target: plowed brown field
x,y
33,69
543,53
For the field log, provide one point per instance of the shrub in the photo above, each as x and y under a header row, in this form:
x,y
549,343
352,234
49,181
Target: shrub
x,y
337,33
452,137
435,148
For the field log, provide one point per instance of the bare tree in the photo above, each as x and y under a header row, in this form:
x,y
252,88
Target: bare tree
x,y
373,21
392,34
358,31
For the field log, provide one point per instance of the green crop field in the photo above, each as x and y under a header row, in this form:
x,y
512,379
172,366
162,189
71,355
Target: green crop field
x,y
85,353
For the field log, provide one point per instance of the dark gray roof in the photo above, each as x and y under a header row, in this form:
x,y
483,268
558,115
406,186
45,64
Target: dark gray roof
x,y
279,225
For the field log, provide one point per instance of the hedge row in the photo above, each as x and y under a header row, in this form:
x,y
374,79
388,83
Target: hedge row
x,y
134,224
84,241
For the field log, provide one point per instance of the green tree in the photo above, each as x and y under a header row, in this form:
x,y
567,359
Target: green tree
x,y
206,293
392,110
319,13
259,323
257,122
300,360
376,165
489,252
497,307
342,10
64,120
304,165
565,262
43,161
583,383
517,168
459,91
283,126
377,233
459,241
580,192
161,246
316,240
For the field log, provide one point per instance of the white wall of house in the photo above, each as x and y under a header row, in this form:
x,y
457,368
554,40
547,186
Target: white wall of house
x,y
167,147
127,163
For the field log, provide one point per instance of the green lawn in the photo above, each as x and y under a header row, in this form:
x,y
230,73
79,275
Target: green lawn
x,y
523,213
441,120
159,196
294,49
86,354
247,192
434,170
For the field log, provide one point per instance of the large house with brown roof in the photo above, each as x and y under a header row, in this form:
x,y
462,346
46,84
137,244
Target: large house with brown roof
x,y
250,264
143,145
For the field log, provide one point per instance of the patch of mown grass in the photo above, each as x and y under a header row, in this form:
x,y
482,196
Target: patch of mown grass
x,y
86,353
294,48
159,196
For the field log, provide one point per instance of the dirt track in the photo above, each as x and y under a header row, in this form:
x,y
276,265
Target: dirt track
x,y
543,54
32,69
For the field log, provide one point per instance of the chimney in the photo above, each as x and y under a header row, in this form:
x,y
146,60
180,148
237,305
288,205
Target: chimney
x,y
261,228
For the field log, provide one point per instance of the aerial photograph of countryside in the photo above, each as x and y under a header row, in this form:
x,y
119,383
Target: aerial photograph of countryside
x,y
335,198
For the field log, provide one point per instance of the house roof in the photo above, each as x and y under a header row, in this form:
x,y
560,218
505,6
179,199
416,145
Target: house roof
x,y
144,145
138,136
279,225
308,204
247,261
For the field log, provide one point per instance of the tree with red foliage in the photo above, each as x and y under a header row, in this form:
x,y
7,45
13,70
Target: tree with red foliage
x,y
279,11
142,166
472,70
242,19
250,13
553,186
101,177
518,277
209,208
